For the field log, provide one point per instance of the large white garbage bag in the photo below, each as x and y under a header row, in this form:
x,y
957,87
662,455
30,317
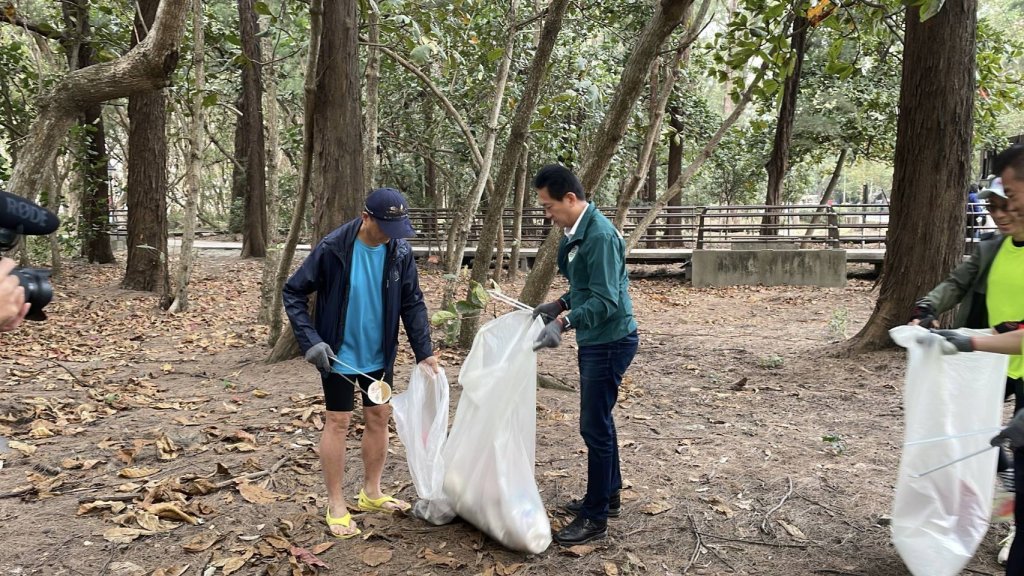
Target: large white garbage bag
x,y
938,520
489,457
421,419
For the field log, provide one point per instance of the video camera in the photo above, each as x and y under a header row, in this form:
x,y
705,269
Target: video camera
x,y
20,217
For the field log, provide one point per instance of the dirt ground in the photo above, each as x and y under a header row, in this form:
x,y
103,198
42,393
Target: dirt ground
x,y
746,447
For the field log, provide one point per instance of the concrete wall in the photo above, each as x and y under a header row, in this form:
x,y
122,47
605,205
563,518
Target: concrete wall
x,y
825,268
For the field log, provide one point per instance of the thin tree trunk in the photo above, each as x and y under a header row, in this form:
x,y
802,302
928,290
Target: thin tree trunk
x,y
522,171
634,238
271,107
196,144
514,149
778,162
675,170
667,17
837,172
470,207
932,164
655,112
254,227
371,113
289,347
146,267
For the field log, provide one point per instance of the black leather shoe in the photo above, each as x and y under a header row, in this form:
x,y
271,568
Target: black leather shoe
x,y
614,505
580,531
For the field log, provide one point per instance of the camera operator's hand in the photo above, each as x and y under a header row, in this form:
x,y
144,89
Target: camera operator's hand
x,y
13,307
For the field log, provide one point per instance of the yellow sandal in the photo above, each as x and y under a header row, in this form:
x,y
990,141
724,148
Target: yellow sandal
x,y
345,521
368,504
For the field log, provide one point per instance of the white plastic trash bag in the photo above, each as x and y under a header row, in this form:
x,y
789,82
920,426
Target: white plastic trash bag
x,y
421,418
489,457
939,519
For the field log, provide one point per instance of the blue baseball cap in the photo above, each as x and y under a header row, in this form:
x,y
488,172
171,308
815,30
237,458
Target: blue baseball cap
x,y
389,209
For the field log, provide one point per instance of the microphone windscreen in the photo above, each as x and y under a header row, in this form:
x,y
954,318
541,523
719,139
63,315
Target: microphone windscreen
x,y
24,217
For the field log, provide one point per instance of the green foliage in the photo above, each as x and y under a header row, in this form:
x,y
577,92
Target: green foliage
x,y
771,361
838,325
450,319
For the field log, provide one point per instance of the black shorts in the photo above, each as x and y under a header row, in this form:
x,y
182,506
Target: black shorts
x,y
339,390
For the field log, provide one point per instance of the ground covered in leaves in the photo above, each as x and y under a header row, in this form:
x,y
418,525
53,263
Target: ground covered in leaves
x,y
148,444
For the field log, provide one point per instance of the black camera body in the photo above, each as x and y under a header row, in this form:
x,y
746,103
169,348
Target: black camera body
x,y
17,217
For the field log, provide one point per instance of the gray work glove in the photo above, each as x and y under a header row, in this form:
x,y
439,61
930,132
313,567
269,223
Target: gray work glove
x,y
320,356
955,341
924,313
549,311
1014,433
550,336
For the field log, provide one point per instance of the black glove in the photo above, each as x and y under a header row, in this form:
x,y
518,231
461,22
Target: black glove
x,y
1005,327
955,341
549,311
320,356
1014,432
924,314
550,336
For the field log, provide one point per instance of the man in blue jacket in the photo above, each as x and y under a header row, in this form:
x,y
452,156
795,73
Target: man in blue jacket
x,y
365,279
592,255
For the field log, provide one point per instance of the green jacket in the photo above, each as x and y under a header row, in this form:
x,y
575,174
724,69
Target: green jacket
x,y
967,285
594,261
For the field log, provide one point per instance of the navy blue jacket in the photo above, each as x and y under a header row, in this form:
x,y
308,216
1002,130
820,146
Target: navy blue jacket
x,y
326,272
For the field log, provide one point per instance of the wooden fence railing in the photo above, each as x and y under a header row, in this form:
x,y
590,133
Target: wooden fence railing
x,y
839,225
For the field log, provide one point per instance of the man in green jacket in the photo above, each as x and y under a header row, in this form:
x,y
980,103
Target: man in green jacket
x,y
592,255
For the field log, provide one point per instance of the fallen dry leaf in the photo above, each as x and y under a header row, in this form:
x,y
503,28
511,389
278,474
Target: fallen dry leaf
x,y
321,547
233,565
257,494
580,550
121,535
435,559
172,571
171,510
610,569
277,542
201,541
151,522
137,472
656,507
26,449
375,556
111,505
792,530
307,557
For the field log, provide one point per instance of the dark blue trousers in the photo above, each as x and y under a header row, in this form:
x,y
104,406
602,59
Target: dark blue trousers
x,y
601,370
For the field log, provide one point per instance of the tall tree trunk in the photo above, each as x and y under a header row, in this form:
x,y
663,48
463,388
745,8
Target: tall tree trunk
x,y
288,346
147,179
522,173
372,96
675,170
94,228
647,152
236,215
778,162
145,68
634,238
333,167
514,150
654,114
186,257
254,227
667,16
337,179
932,164
271,107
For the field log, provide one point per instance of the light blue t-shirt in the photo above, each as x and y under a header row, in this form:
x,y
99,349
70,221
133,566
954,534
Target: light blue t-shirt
x,y
362,346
